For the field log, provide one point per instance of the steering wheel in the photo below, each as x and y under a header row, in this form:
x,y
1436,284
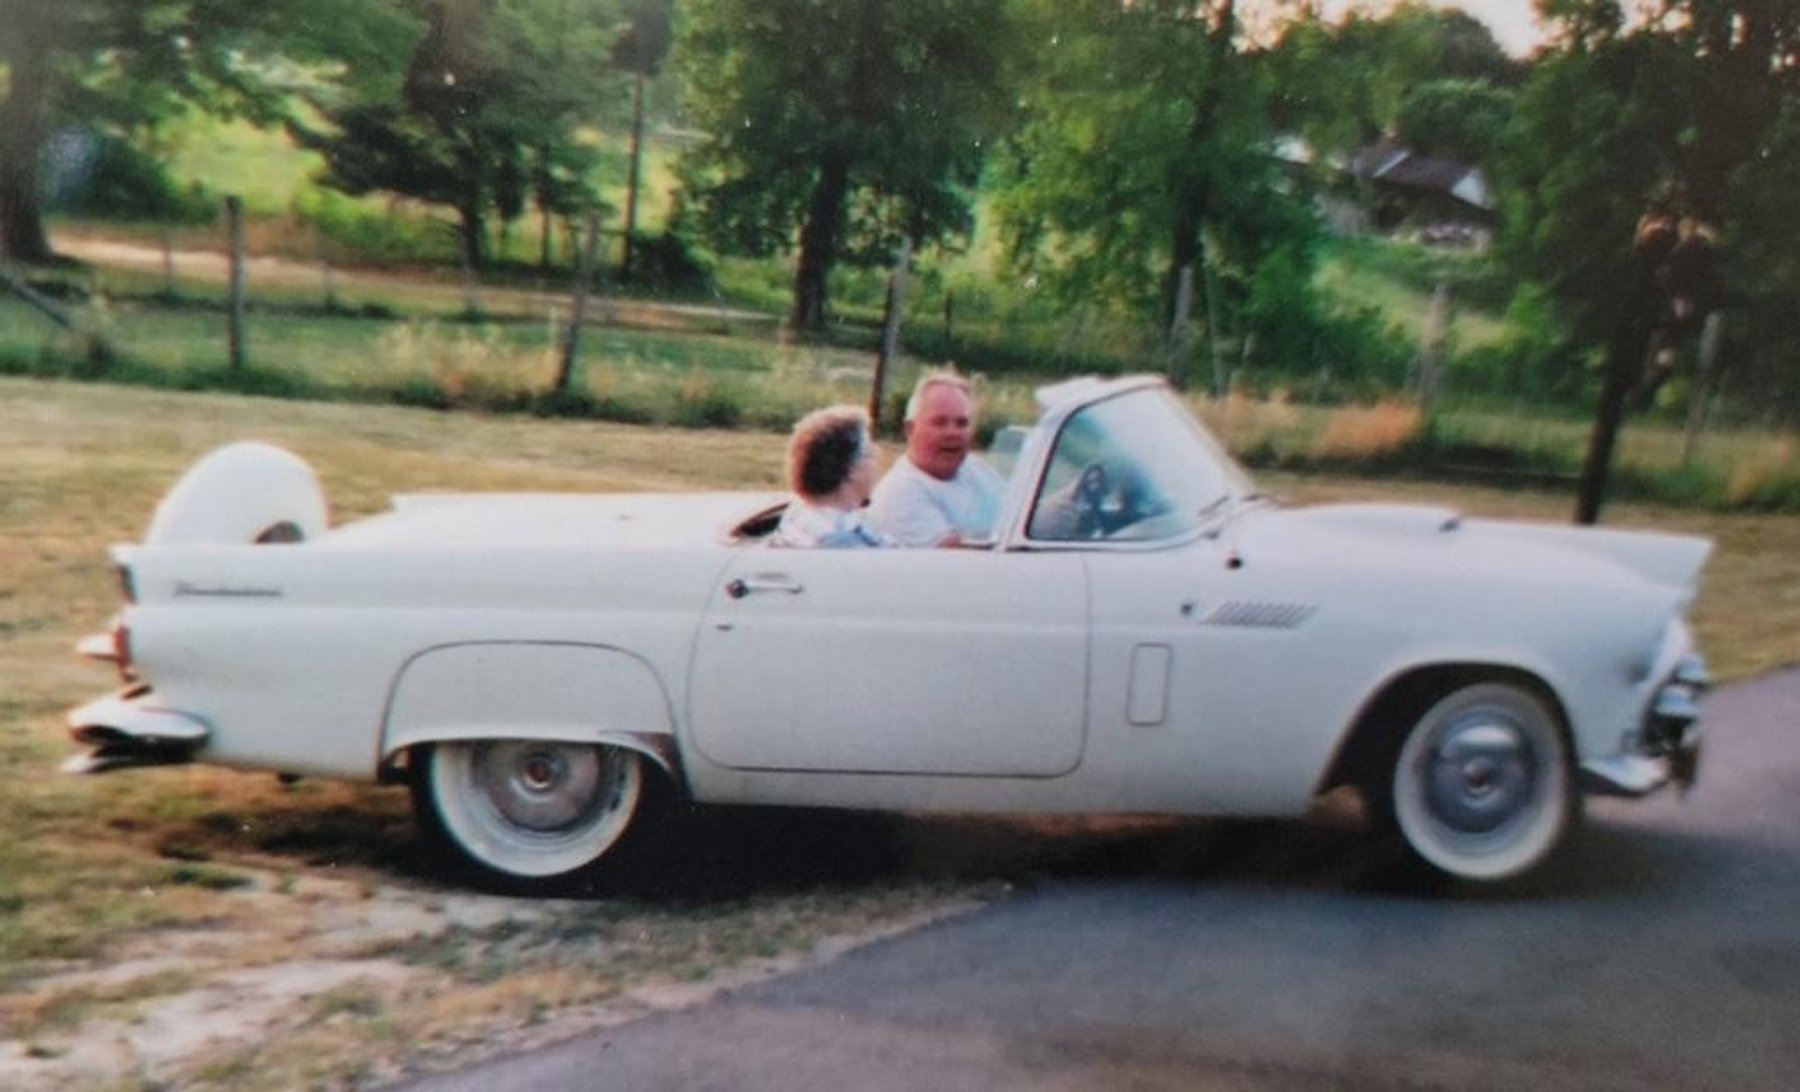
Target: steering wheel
x,y
1088,499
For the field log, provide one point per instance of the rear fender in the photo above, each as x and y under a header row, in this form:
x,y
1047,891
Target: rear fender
x,y
569,693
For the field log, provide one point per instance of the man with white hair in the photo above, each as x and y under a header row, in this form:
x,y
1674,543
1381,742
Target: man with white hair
x,y
937,493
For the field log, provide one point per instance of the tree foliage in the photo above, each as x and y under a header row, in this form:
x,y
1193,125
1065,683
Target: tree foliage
x,y
1146,150
485,115
1346,83
838,126
1682,117
1455,118
124,65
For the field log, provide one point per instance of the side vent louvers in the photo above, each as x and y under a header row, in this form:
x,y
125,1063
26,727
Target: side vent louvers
x,y
1255,615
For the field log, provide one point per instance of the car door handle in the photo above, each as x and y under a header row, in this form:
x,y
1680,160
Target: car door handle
x,y
744,585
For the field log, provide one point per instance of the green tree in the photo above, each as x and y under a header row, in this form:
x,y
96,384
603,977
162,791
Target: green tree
x,y
641,50
1145,162
838,126
1459,119
1682,118
1343,84
1642,180
122,65
485,116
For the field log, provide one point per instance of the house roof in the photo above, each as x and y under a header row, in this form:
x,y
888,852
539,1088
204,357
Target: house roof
x,y
1390,164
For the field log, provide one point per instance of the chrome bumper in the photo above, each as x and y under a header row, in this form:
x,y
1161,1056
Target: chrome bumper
x,y
1666,747
125,729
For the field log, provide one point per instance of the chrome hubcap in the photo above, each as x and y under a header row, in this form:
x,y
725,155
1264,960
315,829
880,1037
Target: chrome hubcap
x,y
544,787
1481,774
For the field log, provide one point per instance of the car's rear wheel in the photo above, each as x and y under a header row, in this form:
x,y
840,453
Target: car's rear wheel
x,y
530,810
1480,787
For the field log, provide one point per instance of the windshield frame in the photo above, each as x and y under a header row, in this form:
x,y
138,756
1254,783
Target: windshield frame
x,y
1035,460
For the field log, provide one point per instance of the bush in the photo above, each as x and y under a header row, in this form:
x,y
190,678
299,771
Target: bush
x,y
1535,357
419,392
700,404
101,175
249,379
670,262
380,236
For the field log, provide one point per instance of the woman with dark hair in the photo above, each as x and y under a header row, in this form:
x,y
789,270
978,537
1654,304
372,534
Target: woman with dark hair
x,y
831,469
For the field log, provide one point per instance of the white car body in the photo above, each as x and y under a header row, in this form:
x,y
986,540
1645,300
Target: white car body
x,y
1231,658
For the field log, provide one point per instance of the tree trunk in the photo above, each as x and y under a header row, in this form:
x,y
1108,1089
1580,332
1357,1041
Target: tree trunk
x,y
1631,342
819,242
1177,347
1184,253
471,231
1210,283
633,176
24,125
544,231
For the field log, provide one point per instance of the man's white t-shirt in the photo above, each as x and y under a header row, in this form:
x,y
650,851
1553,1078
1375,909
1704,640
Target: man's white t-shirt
x,y
920,510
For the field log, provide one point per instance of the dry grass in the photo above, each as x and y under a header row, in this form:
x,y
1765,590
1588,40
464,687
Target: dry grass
x,y
94,870
1771,460
1368,432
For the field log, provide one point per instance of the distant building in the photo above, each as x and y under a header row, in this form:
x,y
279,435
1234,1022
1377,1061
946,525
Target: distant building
x,y
1440,200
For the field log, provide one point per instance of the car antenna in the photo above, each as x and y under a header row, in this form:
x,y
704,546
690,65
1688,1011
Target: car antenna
x,y
1233,559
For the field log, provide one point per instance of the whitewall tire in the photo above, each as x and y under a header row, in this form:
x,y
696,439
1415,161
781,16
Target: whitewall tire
x,y
1482,786
530,809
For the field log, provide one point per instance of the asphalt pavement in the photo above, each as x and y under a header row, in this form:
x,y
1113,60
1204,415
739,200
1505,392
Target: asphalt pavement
x,y
1661,951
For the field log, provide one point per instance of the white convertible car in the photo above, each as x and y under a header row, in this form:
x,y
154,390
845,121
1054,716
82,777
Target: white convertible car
x,y
1144,633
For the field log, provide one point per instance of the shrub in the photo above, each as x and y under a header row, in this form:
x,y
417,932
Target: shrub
x,y
381,236
101,175
419,392
699,404
248,379
1535,356
670,262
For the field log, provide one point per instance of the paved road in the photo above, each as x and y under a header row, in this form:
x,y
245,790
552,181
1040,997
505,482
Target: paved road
x,y
1662,952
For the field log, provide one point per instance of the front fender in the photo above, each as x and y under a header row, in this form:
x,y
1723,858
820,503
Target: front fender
x,y
530,690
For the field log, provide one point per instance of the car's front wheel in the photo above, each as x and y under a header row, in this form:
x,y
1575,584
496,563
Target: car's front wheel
x,y
1480,787
529,810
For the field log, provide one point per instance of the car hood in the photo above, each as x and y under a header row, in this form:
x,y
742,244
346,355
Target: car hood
x,y
1670,561
553,520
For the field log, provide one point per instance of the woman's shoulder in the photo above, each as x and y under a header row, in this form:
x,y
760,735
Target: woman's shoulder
x,y
810,525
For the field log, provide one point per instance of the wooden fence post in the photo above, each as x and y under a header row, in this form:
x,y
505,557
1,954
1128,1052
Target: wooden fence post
x,y
1706,377
584,273
890,333
234,222
168,261
1431,353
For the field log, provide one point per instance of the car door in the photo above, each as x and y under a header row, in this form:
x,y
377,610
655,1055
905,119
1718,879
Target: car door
x,y
946,661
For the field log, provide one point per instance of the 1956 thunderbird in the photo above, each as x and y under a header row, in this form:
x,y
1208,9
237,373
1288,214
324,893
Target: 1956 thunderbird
x,y
1144,633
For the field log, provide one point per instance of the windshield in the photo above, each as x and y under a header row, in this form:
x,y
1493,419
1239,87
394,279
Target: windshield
x,y
1132,468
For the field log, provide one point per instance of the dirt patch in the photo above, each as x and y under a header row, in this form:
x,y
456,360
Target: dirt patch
x,y
349,982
